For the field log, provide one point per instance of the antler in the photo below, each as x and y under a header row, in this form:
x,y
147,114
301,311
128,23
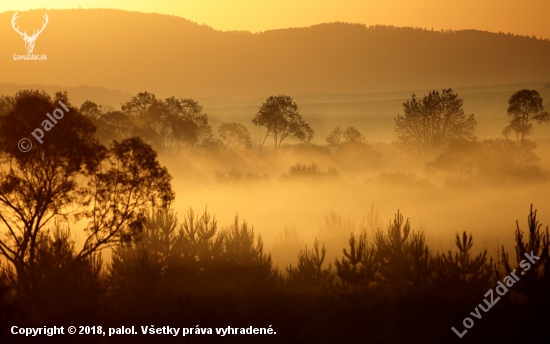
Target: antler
x,y
35,34
13,19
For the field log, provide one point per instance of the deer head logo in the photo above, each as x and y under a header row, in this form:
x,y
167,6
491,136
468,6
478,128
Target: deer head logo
x,y
29,40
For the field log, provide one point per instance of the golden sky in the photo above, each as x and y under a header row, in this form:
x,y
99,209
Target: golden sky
x,y
526,17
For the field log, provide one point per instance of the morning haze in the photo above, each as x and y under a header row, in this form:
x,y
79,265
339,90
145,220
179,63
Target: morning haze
x,y
333,182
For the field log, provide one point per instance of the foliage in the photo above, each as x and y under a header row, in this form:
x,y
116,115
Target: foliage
x,y
431,123
525,106
199,247
233,177
405,262
535,283
64,277
309,273
70,176
235,135
493,162
356,285
394,256
279,115
129,182
465,271
6,104
300,170
169,125
192,272
357,268
338,136
244,259
334,137
44,183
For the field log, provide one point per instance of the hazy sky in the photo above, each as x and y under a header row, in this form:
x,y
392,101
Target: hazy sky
x,y
526,17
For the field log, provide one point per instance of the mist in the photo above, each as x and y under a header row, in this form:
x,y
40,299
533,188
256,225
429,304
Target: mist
x,y
334,183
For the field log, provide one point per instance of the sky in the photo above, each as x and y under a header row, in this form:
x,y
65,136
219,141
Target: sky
x,y
525,17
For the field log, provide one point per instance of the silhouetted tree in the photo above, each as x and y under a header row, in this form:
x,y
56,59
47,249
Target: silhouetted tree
x,y
70,176
434,121
63,277
114,125
129,182
234,176
493,161
394,255
309,273
244,259
467,273
171,124
137,266
300,170
6,301
334,137
357,268
405,262
423,263
356,285
44,182
234,135
90,109
351,134
338,136
6,104
191,128
525,107
535,274
279,115
198,248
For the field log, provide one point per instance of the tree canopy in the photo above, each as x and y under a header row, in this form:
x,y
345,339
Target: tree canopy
x,y
338,136
234,135
169,125
434,121
279,115
70,177
525,107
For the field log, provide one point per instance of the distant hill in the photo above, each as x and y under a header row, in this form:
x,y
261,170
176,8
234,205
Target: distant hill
x,y
169,55
77,95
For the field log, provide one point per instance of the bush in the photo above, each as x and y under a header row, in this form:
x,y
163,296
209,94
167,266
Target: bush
x,y
235,177
300,171
492,162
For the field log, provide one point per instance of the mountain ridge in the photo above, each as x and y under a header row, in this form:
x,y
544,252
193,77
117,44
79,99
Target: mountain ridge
x,y
170,55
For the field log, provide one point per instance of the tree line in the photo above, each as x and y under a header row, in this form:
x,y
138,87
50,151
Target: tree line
x,y
387,288
428,124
